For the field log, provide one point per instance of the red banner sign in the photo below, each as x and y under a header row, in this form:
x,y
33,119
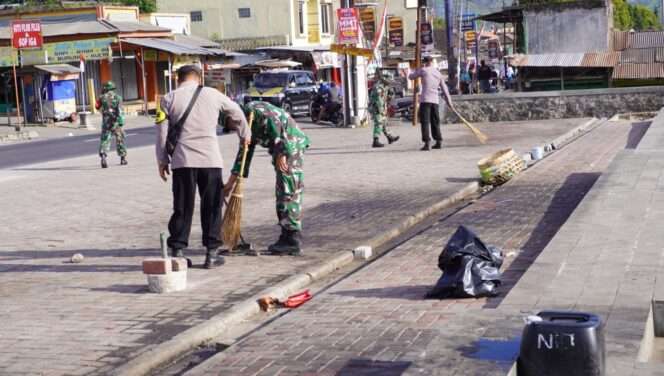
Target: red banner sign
x,y
348,26
26,34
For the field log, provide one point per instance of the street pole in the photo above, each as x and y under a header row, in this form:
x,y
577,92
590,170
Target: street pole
x,y
17,127
346,78
418,59
449,25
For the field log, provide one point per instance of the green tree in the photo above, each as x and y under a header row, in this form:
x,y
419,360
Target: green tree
x,y
439,23
643,18
622,19
145,6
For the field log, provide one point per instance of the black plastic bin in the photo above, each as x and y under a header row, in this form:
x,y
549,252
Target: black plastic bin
x,y
562,343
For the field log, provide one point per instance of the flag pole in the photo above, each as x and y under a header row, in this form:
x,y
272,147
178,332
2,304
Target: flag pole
x,y
17,127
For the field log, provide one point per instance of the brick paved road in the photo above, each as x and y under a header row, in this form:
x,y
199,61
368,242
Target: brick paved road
x,y
375,322
62,318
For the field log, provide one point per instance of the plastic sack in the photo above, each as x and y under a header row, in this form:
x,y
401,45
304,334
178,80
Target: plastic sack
x,y
470,268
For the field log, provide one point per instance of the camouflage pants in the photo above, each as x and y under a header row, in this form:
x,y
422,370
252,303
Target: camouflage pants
x,y
289,189
105,145
379,127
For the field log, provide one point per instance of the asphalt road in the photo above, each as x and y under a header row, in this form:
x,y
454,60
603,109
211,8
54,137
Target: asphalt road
x,y
68,147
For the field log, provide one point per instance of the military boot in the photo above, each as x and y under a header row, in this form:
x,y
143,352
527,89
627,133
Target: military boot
x,y
123,161
180,254
377,143
212,259
438,145
104,164
290,244
392,139
426,147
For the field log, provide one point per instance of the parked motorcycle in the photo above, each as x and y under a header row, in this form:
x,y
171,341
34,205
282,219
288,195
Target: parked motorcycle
x,y
333,111
401,107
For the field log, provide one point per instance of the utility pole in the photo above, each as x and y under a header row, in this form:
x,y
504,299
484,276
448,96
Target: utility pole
x,y
418,59
346,79
449,26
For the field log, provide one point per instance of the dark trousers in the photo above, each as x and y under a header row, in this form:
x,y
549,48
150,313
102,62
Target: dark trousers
x,y
209,184
429,118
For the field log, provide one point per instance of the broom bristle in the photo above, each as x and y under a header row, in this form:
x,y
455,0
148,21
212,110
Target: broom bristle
x,y
230,229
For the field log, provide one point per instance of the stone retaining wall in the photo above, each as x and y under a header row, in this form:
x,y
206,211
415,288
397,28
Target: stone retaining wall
x,y
558,104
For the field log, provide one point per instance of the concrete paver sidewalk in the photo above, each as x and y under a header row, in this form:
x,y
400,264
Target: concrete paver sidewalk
x,y
376,322
62,318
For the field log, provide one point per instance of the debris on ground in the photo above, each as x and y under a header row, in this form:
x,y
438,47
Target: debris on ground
x,y
470,268
268,303
77,258
500,167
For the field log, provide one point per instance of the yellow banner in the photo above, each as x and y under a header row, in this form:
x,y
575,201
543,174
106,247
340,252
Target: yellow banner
x,y
352,50
65,52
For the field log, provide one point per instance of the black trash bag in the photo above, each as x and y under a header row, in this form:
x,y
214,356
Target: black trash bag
x,y
470,268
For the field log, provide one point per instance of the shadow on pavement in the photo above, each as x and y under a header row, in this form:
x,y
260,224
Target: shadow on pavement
x,y
398,292
123,289
563,204
73,168
69,268
636,134
87,253
368,367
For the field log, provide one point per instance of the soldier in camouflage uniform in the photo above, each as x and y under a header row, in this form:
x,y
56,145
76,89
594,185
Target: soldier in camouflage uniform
x,y
112,121
379,97
274,129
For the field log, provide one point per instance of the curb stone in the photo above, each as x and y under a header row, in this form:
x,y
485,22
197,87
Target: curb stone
x,y
170,350
18,136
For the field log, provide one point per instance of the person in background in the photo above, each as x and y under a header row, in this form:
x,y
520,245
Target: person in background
x,y
195,158
484,76
110,104
432,81
379,98
465,80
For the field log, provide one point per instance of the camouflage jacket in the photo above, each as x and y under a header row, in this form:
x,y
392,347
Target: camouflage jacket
x,y
379,97
274,129
109,104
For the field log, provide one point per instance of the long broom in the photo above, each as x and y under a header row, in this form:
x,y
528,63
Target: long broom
x,y
230,227
481,137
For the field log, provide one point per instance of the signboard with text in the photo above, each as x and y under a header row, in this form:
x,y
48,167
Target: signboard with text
x,y
426,36
395,30
494,49
368,20
66,52
468,22
26,34
348,26
471,39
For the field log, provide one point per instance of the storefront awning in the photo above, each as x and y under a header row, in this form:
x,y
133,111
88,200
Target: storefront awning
x,y
171,46
508,15
59,69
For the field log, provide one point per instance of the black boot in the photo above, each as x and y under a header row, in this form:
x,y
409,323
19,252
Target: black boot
x,y
426,147
289,245
123,161
104,164
392,139
438,145
212,259
377,143
178,253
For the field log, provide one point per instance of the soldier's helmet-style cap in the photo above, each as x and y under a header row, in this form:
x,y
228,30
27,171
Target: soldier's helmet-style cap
x,y
109,85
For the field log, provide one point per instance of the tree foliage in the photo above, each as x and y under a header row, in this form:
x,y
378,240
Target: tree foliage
x,y
634,16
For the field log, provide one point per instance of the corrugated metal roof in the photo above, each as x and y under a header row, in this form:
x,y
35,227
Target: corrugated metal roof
x,y
135,27
638,71
59,68
619,40
196,41
600,59
638,56
60,29
168,45
645,39
551,60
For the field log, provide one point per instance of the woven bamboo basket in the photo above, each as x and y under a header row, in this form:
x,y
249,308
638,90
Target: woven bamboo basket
x,y
500,167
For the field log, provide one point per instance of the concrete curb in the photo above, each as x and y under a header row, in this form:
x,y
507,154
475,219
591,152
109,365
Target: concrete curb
x,y
18,136
170,350
577,132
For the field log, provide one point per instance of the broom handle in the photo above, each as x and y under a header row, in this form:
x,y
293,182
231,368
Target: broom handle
x,y
245,147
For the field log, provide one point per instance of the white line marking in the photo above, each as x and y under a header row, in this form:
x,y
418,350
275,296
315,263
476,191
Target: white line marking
x,y
91,140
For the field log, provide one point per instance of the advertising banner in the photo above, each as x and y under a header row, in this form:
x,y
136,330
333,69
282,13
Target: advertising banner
x,y
66,52
368,20
26,34
395,30
348,26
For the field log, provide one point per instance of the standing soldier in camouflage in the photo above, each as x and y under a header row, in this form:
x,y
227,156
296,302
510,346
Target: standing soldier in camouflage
x,y
379,97
112,121
274,129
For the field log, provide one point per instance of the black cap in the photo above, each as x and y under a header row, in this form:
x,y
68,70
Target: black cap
x,y
186,70
427,59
